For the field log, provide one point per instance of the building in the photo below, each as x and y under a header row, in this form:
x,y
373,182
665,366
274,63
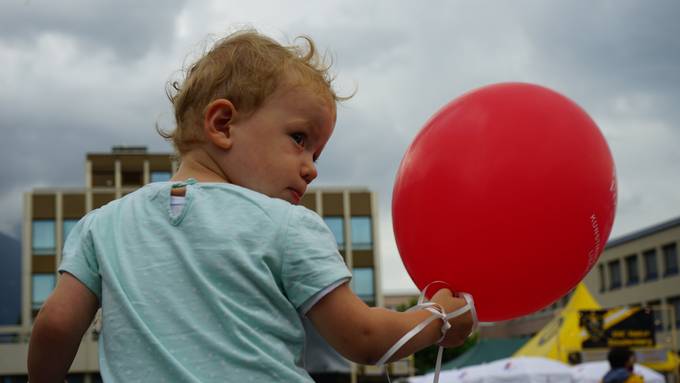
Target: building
x,y
640,268
351,216
49,215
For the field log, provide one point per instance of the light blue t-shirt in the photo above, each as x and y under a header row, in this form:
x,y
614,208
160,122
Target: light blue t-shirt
x,y
211,294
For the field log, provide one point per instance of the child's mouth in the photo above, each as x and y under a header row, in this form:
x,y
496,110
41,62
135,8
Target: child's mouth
x,y
296,196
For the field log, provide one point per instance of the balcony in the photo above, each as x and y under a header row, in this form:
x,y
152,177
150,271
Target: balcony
x,y
14,352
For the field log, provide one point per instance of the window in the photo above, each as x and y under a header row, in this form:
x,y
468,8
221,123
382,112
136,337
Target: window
x,y
160,176
632,273
603,281
674,304
670,260
337,226
42,287
362,284
75,378
655,306
67,227
43,236
362,236
132,178
103,178
651,272
614,274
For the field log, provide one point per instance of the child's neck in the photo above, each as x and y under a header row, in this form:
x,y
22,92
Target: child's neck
x,y
199,165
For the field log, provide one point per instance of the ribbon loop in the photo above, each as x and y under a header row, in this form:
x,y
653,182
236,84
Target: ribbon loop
x,y
438,312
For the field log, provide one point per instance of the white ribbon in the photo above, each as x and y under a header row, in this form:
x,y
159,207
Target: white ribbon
x,y
436,314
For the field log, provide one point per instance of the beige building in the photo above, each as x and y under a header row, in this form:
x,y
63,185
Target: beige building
x,y
640,268
49,215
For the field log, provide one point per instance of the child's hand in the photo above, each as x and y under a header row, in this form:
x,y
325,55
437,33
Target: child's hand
x,y
460,325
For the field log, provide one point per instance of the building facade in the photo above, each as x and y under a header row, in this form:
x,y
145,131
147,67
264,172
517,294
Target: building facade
x,y
641,269
50,214
637,269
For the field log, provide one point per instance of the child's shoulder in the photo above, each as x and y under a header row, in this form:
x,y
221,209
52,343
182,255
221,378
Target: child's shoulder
x,y
217,201
255,212
277,209
237,197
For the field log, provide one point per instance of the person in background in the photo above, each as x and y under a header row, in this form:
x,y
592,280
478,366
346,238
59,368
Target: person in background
x,y
621,361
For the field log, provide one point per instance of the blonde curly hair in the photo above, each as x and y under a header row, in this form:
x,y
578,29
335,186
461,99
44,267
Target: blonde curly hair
x,y
245,68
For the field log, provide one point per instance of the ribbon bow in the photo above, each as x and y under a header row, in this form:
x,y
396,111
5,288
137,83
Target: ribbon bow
x,y
436,314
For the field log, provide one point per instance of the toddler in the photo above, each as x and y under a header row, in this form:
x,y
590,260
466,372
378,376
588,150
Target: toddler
x,y
205,278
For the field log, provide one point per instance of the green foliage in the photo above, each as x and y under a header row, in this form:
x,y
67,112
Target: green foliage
x,y
425,359
405,306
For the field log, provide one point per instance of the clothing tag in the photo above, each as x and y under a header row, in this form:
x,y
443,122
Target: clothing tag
x,y
189,181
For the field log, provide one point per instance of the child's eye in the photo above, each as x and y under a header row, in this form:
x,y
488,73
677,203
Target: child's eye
x,y
299,138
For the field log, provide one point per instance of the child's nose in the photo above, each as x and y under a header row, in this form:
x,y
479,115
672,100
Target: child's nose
x,y
308,171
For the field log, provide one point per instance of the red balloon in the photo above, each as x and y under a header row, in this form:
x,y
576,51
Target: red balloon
x,y
507,193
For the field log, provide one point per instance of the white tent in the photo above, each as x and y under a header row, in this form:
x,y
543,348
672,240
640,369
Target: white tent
x,y
473,374
524,369
528,369
470,374
592,372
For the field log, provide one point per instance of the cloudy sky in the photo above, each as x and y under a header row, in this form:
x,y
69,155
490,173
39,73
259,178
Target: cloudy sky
x,y
83,75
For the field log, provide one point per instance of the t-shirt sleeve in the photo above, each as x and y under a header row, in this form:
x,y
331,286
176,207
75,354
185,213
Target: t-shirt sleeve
x,y
311,261
79,258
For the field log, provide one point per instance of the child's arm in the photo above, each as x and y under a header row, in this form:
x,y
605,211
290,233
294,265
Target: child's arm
x,y
363,334
58,329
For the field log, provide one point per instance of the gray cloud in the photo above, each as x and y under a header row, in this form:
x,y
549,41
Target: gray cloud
x,y
130,28
83,76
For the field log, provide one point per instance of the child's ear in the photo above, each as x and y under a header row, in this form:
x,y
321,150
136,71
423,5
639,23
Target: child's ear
x,y
219,116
